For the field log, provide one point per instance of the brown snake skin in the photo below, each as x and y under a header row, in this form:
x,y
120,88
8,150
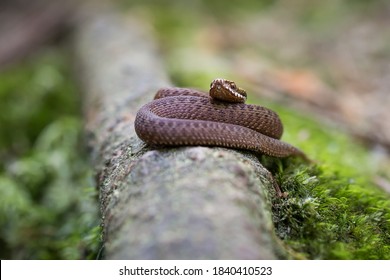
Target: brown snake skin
x,y
181,117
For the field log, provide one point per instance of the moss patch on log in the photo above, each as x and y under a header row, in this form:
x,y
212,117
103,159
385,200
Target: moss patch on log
x,y
333,209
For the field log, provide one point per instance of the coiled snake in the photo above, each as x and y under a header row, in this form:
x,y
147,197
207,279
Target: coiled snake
x,y
180,116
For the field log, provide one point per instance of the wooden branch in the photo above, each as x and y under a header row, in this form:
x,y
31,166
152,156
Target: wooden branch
x,y
178,203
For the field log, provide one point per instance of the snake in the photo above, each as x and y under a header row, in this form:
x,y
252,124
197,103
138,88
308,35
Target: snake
x,y
188,117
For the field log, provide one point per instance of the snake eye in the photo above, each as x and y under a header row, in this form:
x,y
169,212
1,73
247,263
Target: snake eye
x,y
233,85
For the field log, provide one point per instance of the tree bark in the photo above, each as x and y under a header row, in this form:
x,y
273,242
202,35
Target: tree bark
x,y
163,203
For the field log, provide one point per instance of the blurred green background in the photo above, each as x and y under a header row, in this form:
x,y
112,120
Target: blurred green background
x,y
47,195
49,204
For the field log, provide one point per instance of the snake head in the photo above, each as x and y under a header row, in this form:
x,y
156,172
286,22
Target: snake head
x,y
228,91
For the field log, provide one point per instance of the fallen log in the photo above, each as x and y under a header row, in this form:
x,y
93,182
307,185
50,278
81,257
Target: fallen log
x,y
162,203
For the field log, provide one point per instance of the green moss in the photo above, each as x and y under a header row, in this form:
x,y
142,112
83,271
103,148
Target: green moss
x,y
328,217
47,198
333,210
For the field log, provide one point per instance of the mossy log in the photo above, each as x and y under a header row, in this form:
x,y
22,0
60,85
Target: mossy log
x,y
162,203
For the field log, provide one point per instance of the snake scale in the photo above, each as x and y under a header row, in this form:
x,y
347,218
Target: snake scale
x,y
187,117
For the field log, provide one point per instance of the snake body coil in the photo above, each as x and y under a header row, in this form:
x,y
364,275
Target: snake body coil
x,y
180,117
